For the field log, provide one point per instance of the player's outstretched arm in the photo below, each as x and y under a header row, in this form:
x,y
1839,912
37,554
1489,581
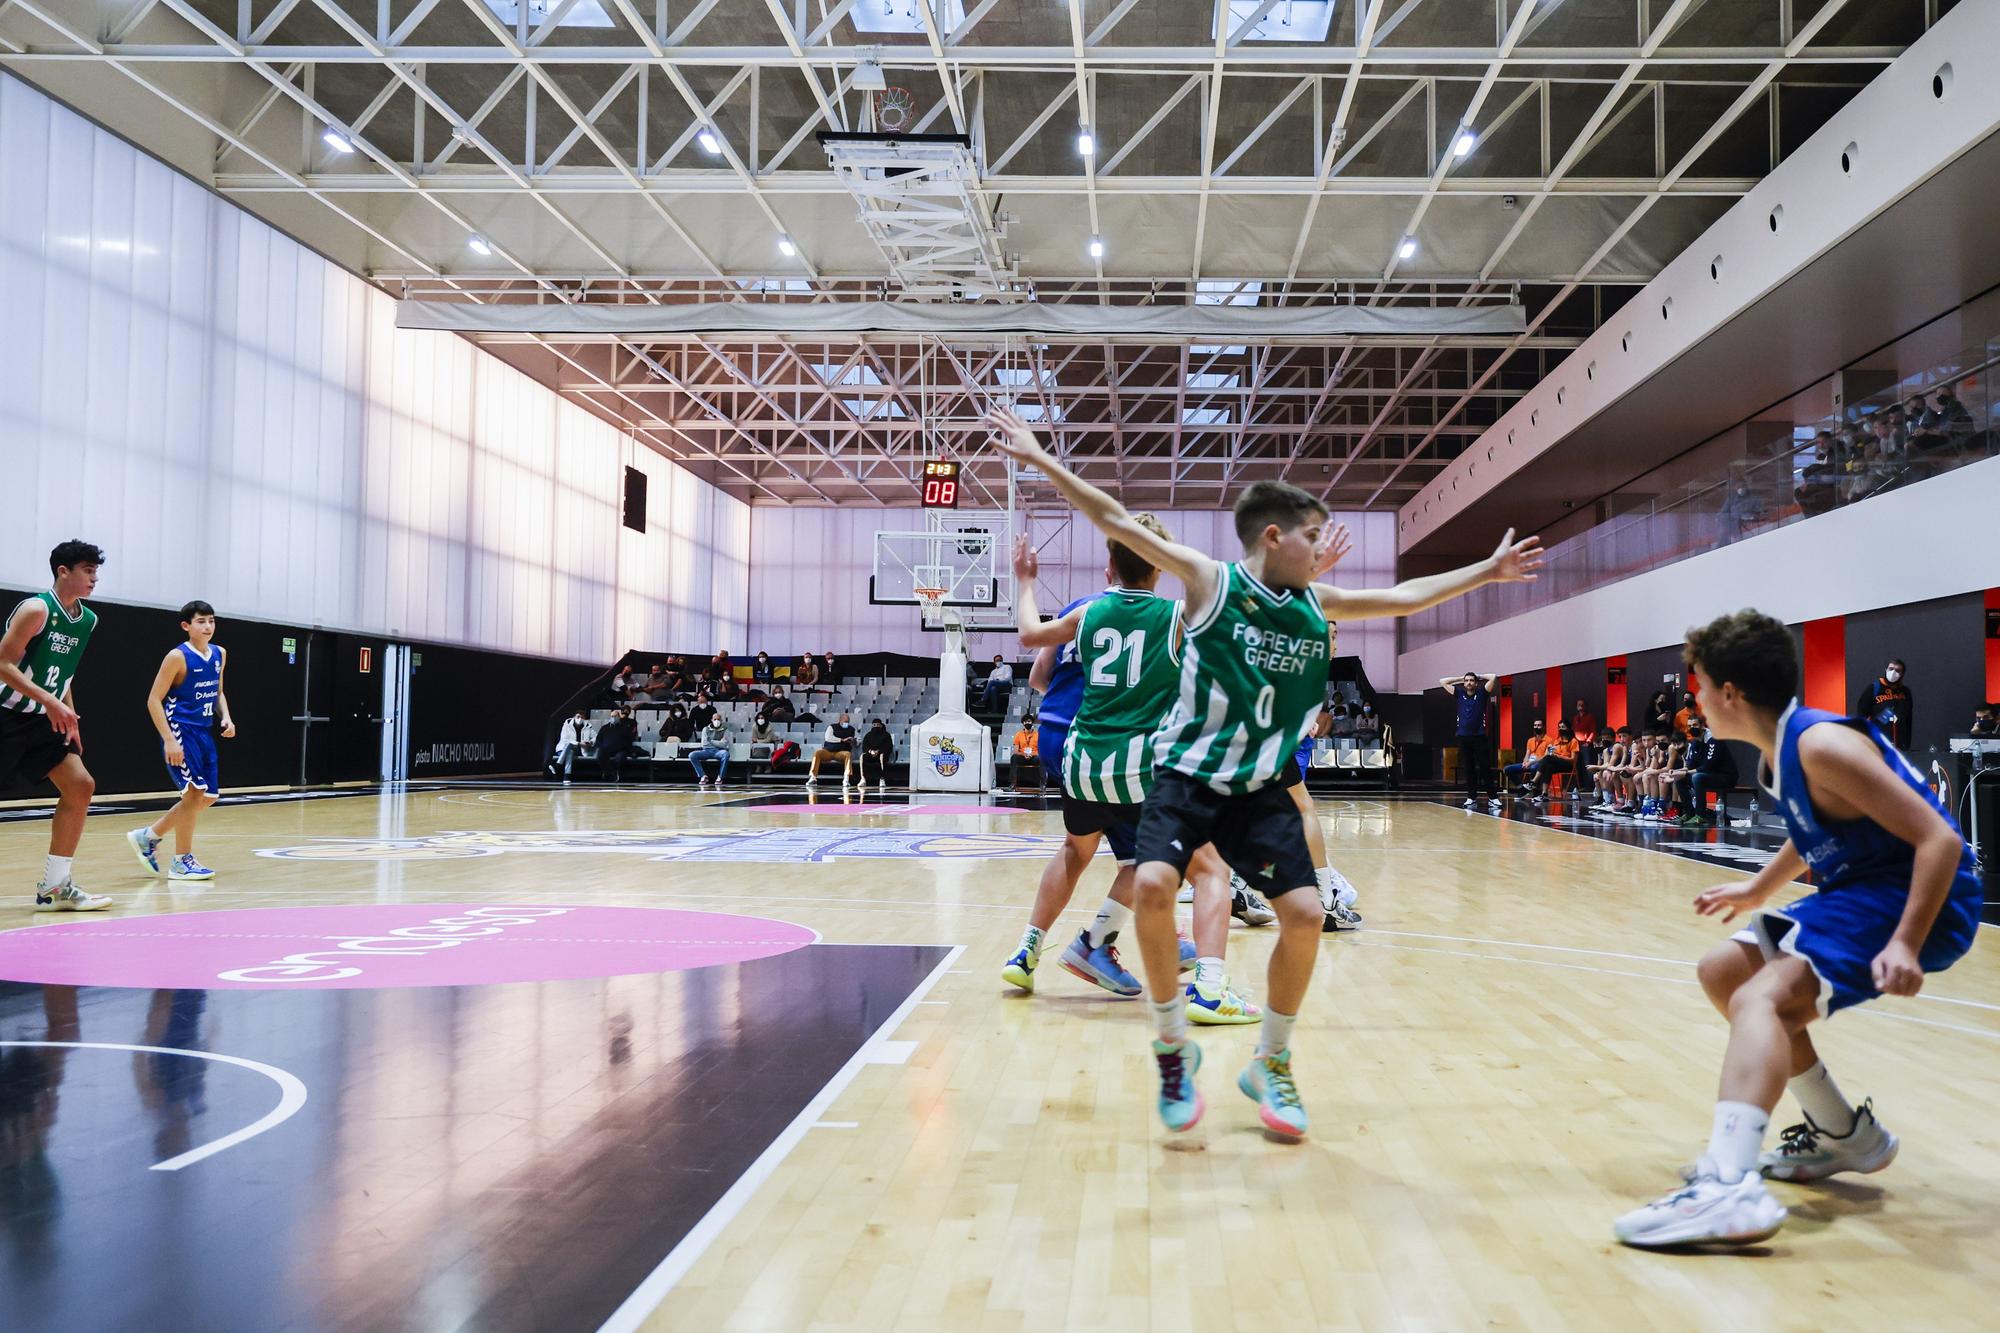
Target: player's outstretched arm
x,y
1036,632
1196,571
1043,670
1511,562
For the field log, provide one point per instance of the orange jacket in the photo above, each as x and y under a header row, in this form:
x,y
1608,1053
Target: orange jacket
x,y
1024,742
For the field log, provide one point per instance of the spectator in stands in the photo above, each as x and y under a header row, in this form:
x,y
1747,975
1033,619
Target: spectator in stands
x,y
727,687
616,743
679,678
1709,767
1368,727
1559,759
878,751
714,746
836,744
571,737
999,681
1516,775
1024,752
829,674
1688,717
762,672
1659,714
1886,702
621,686
657,687
1583,724
1339,721
675,725
1985,721
1472,695
761,730
779,705
702,713
805,676
1954,422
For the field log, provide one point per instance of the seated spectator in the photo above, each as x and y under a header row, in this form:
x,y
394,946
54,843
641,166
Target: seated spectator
x,y
761,730
1026,741
1538,745
1706,767
1985,721
1368,727
714,746
726,688
616,742
1613,762
571,737
1954,422
675,725
829,674
1688,715
805,676
657,686
761,670
1000,682
1339,721
878,751
1742,509
779,706
680,680
702,713
1559,758
837,744
622,685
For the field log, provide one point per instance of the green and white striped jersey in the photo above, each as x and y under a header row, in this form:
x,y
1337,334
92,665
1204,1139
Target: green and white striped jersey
x,y
1253,674
1128,646
52,654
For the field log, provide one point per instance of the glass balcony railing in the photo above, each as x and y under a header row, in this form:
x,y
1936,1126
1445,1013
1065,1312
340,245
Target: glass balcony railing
x,y
1928,424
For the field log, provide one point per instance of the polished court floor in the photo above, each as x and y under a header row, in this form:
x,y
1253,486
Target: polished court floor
x,y
720,1113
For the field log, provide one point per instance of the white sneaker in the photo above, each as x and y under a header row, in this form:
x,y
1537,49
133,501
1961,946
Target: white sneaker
x,y
1807,1152
1247,905
67,897
1186,894
1493,803
1337,892
1466,804
1705,1212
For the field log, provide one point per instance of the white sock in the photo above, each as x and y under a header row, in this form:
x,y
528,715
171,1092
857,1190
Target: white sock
x,y
1170,1019
1822,1102
1113,916
1276,1034
1736,1140
1324,874
55,871
1208,972
1031,940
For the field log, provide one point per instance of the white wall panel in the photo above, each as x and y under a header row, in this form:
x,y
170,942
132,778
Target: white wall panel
x,y
231,417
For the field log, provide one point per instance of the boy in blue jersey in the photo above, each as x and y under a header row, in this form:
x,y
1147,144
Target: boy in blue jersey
x,y
1896,897
187,704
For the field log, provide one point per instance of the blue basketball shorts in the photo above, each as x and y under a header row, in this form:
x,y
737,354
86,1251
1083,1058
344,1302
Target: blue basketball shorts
x,y
1838,931
199,767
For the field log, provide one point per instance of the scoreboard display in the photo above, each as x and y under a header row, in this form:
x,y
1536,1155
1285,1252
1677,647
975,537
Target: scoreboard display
x,y
940,483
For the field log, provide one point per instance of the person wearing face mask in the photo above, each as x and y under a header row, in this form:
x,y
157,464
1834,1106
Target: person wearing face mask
x,y
1517,774
1710,768
1886,702
1559,758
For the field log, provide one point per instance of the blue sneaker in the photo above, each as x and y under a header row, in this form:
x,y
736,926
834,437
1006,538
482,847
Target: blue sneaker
x,y
1100,966
1180,1101
146,846
1020,969
186,867
1268,1082
1187,955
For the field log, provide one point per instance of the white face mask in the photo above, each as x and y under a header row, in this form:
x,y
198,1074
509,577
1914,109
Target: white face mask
x,y
1894,675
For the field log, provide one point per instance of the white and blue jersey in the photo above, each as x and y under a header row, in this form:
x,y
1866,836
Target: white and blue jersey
x,y
1863,873
193,709
1065,693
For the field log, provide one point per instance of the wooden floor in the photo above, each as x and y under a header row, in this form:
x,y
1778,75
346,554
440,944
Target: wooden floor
x,y
1511,1053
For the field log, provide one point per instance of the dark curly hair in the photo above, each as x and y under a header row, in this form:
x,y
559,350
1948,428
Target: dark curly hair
x,y
1751,651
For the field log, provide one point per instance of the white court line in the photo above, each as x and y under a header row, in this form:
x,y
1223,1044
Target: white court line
x,y
646,1297
292,1094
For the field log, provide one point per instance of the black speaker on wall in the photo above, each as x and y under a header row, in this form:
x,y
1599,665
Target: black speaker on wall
x,y
635,499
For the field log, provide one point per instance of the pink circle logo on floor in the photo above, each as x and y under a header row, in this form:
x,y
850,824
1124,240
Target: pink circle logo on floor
x,y
385,945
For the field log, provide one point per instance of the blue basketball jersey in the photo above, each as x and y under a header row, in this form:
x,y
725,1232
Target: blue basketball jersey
x,y
1858,850
1065,692
195,701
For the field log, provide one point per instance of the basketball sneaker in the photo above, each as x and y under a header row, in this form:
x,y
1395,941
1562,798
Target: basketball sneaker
x,y
1020,969
1186,894
1339,917
146,846
1267,1081
1807,1152
1188,952
67,897
1180,1101
1247,905
1218,1006
186,867
1337,891
1099,966
1705,1212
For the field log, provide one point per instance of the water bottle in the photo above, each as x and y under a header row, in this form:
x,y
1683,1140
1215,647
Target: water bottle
x,y
1753,809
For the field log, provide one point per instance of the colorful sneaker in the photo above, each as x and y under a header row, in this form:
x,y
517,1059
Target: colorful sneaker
x,y
1807,1152
1247,905
67,897
1020,969
1219,1006
186,867
1267,1081
1705,1212
1187,954
1100,966
1340,918
146,846
1180,1101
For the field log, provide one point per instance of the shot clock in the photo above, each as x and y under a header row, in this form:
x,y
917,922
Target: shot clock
x,y
940,483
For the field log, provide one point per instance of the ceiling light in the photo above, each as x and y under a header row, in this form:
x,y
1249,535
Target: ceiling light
x,y
868,77
710,142
1097,247
1408,249
1466,140
479,245
1086,143
337,141
785,246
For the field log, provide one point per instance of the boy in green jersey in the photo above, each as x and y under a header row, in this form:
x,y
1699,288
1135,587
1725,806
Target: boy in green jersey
x,y
39,734
1253,672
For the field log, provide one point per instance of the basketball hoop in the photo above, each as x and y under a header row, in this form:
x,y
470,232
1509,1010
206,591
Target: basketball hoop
x,y
932,601
894,109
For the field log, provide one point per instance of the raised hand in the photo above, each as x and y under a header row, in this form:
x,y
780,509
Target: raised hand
x,y
1517,561
1026,563
1014,437
1334,545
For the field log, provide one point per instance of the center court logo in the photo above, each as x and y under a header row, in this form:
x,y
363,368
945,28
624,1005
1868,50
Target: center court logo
x,y
790,845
